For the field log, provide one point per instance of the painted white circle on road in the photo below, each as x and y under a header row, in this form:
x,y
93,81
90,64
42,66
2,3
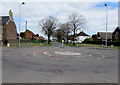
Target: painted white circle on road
x,y
67,53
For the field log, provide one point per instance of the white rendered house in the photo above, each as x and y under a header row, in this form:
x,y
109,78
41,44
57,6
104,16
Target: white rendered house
x,y
79,38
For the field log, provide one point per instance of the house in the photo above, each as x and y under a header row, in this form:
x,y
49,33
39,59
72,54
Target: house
x,y
72,37
8,32
102,36
80,37
31,36
116,34
40,38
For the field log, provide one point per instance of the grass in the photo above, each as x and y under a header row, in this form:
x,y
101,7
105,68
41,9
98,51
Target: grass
x,y
114,47
81,45
25,44
70,44
46,45
30,44
95,45
90,45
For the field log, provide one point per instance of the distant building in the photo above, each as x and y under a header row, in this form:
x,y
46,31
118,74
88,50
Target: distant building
x,y
116,34
102,36
8,32
80,37
40,38
31,36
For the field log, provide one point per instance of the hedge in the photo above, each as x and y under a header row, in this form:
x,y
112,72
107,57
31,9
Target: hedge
x,y
39,41
109,43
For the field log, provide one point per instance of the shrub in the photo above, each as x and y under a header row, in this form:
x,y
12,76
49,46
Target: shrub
x,y
88,39
39,41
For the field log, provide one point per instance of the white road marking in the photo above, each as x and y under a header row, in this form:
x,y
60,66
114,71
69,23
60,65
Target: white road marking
x,y
46,53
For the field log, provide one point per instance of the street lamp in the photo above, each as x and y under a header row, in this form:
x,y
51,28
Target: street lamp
x,y
106,23
19,21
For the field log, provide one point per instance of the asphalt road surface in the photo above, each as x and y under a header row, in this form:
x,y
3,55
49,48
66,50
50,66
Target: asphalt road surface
x,y
55,64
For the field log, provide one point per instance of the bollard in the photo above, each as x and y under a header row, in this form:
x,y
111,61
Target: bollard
x,y
8,44
111,45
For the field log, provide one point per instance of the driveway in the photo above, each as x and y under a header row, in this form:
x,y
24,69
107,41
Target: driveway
x,y
55,64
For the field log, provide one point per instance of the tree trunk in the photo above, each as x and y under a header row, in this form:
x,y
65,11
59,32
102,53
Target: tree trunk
x,y
74,36
67,38
67,41
48,39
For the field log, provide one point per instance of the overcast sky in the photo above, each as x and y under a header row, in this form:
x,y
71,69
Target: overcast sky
x,y
94,13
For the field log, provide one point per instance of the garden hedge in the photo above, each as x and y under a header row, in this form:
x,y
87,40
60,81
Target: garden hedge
x,y
114,43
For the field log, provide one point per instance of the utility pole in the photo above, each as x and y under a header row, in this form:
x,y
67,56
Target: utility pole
x,y
20,21
25,25
106,23
25,30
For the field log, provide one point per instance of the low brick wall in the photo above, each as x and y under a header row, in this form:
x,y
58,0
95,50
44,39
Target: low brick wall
x,y
12,42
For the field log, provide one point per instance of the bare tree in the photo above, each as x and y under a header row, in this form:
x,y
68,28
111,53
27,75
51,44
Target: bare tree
x,y
59,34
66,30
76,21
48,26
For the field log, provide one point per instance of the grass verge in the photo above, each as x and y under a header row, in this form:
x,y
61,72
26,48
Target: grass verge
x,y
25,44
90,45
95,45
46,45
70,44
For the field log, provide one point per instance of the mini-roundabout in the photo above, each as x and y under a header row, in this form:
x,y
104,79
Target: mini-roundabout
x,y
67,55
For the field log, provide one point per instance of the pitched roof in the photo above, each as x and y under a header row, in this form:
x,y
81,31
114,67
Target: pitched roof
x,y
117,29
82,34
71,37
102,35
30,32
41,38
4,19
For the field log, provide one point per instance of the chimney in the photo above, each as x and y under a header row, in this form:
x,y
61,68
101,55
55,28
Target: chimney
x,y
11,15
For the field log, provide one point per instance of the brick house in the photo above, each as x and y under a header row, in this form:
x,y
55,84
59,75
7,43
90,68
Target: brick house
x,y
31,36
8,30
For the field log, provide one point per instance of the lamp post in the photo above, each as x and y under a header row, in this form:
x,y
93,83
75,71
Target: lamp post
x,y
25,31
19,21
106,23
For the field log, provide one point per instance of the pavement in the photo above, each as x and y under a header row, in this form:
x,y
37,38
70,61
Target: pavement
x,y
42,65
